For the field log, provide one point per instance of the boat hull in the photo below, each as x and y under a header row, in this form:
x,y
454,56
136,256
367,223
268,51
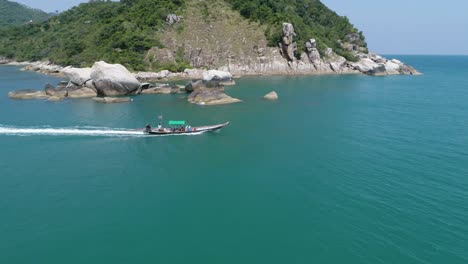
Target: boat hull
x,y
195,130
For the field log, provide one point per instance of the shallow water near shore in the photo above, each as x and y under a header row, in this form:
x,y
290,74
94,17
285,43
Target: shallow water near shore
x,y
341,169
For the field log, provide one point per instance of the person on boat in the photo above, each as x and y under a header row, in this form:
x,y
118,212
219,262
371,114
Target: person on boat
x,y
159,126
148,128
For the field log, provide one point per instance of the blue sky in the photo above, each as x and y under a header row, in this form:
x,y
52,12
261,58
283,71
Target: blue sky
x,y
390,27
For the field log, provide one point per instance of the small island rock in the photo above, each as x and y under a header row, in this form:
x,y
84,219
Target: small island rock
x,y
271,96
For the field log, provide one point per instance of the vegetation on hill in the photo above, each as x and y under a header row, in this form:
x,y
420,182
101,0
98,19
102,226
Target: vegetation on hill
x,y
12,13
117,32
311,19
122,32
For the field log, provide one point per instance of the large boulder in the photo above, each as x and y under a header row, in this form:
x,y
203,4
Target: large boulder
x,y
27,94
113,79
365,65
199,84
223,77
379,70
78,76
392,68
337,63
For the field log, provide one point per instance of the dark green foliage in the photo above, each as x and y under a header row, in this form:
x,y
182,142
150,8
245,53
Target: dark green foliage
x,y
122,32
12,13
117,32
311,19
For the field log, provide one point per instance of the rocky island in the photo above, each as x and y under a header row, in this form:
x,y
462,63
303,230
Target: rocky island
x,y
208,45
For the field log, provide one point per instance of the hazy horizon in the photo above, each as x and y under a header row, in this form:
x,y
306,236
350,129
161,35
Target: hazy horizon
x,y
389,27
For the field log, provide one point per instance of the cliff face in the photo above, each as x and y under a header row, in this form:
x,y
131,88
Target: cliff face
x,y
220,38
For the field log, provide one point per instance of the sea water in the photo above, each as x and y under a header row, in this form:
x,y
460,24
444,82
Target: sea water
x,y
341,169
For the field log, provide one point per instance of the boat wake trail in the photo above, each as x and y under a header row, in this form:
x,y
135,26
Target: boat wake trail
x,y
75,131
71,131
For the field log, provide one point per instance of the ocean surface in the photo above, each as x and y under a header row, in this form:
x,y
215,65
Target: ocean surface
x,y
341,169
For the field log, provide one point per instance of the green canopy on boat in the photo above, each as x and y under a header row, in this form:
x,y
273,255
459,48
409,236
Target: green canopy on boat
x,y
176,123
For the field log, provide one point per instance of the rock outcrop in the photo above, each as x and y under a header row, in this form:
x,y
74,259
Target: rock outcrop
x,y
45,67
208,93
163,56
312,51
373,64
27,94
172,19
113,79
4,60
287,45
271,96
222,77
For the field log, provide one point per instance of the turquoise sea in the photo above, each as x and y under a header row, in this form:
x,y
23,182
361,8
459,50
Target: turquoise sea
x,y
341,169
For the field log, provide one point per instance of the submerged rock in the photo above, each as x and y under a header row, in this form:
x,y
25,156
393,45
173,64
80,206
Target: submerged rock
x,y
271,96
82,92
112,100
27,94
55,98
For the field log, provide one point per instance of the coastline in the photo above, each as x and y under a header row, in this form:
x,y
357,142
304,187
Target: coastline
x,y
238,71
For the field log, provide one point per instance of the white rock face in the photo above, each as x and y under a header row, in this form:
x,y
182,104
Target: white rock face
x,y
77,75
392,68
365,65
338,64
216,75
113,79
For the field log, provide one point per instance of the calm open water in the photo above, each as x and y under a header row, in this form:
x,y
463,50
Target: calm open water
x,y
342,169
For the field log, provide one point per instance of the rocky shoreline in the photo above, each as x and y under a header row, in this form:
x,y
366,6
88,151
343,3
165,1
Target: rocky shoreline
x,y
108,83
104,81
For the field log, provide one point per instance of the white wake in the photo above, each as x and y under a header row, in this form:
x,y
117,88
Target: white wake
x,y
77,131
74,131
